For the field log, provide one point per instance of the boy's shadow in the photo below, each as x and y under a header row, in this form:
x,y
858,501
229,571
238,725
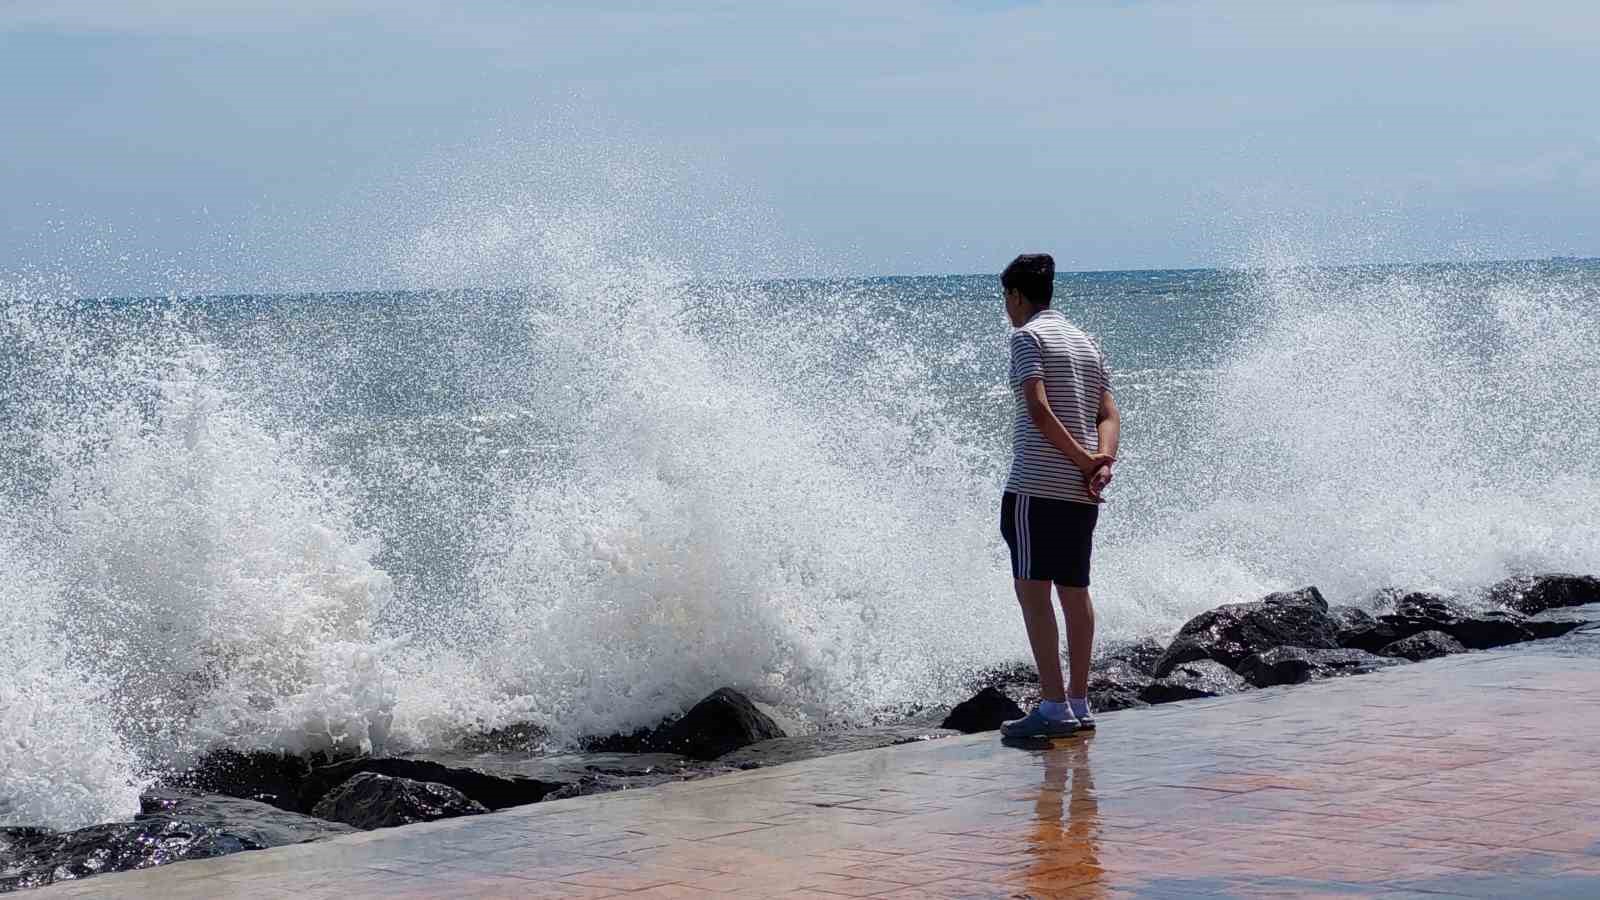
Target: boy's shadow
x,y
1043,743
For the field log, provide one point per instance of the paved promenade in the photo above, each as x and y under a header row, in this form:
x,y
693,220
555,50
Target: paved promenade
x,y
1474,776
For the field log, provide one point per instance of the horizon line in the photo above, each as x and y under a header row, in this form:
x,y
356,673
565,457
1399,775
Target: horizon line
x,y
781,279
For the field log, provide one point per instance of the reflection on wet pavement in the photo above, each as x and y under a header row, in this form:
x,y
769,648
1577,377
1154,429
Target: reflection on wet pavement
x,y
1065,843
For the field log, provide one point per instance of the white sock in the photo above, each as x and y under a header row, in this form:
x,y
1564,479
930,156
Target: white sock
x,y
1053,709
1079,705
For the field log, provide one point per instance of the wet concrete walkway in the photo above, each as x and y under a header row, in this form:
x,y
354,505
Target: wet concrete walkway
x,y
1473,776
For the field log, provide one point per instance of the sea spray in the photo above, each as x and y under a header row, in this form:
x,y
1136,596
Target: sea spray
x,y
208,588
216,576
63,760
725,521
1428,427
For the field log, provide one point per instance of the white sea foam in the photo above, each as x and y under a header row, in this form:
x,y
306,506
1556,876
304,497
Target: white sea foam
x,y
1421,428
723,521
213,569
208,587
63,762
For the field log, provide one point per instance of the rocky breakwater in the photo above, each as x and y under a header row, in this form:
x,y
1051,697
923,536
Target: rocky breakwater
x,y
231,802
171,827
1297,636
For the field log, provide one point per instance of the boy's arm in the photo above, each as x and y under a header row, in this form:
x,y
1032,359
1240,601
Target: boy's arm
x,y
1044,419
1109,424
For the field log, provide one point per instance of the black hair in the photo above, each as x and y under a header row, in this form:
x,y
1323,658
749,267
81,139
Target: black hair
x,y
1034,274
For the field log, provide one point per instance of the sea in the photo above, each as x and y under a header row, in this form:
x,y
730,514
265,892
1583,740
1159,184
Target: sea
x,y
391,520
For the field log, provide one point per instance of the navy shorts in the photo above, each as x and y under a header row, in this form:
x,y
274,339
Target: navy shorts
x,y
1050,540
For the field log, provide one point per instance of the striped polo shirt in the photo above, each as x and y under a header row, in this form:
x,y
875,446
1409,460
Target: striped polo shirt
x,y
1075,376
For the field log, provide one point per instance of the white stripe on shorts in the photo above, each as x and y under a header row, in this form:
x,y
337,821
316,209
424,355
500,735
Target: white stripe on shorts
x,y
1024,546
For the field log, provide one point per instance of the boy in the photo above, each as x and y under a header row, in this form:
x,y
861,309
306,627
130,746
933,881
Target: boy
x,y
1064,441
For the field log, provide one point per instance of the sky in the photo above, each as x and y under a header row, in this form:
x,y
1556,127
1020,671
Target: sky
x,y
253,145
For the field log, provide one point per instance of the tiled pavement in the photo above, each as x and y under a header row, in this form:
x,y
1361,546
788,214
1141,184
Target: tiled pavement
x,y
1472,775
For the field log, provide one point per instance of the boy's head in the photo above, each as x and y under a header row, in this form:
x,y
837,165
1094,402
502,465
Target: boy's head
x,y
1031,278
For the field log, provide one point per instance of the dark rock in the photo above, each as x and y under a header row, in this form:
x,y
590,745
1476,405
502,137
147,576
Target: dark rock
x,y
262,823
1025,694
1408,614
1530,594
1423,645
1117,687
34,857
1192,680
984,711
369,800
1368,626
524,737
1374,635
1418,612
1140,656
1294,665
1492,628
1413,613
172,828
1355,627
1421,611
1229,633
493,790
724,721
1118,677
273,778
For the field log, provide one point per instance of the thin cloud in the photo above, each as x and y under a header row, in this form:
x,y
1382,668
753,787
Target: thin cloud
x,y
896,135
194,17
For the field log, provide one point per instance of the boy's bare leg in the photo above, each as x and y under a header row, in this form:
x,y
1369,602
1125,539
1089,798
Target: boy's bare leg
x,y
1080,638
1039,616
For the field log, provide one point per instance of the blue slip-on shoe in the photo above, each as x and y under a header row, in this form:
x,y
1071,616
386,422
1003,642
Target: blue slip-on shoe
x,y
1038,725
1086,721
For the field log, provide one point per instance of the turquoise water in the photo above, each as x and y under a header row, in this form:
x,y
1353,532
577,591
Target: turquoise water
x,y
385,519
